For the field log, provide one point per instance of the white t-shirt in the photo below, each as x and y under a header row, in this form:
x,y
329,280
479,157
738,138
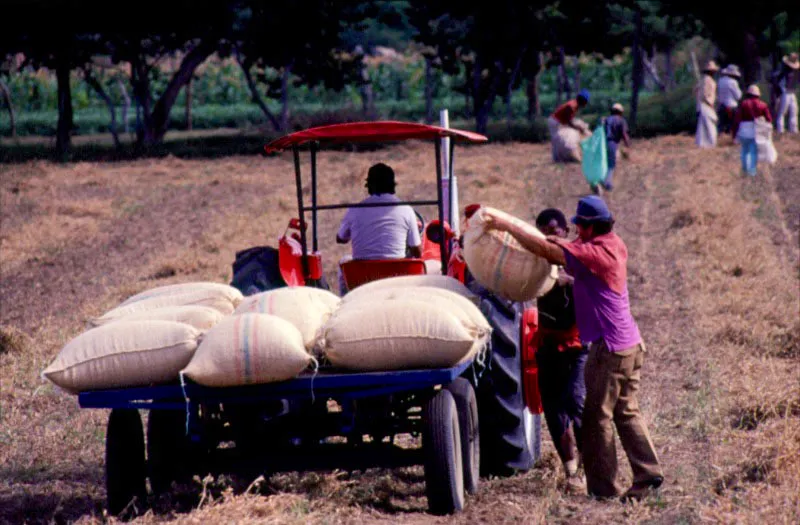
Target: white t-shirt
x,y
382,232
729,92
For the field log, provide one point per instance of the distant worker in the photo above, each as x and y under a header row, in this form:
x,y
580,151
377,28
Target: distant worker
x,y
705,96
786,80
380,232
729,96
744,127
564,117
597,260
616,128
561,358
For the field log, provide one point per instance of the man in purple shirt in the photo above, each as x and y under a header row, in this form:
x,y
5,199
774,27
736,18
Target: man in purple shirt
x,y
597,260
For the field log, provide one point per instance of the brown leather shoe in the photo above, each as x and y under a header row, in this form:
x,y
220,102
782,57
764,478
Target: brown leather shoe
x,y
641,489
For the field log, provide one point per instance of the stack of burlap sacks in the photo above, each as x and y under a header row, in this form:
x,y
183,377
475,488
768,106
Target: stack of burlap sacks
x,y
211,334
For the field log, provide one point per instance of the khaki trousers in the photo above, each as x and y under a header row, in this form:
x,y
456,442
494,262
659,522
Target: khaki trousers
x,y
612,384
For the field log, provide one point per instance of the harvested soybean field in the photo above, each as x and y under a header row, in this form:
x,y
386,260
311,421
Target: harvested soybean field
x,y
714,278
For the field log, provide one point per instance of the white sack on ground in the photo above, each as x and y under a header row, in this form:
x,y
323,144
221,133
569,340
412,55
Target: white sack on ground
x,y
395,335
224,290
766,148
195,298
502,265
124,354
435,281
200,317
306,308
248,349
565,140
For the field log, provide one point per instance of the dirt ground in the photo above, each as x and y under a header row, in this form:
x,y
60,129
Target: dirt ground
x,y
714,278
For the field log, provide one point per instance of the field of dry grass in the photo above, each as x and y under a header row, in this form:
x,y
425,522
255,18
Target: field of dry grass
x,y
714,279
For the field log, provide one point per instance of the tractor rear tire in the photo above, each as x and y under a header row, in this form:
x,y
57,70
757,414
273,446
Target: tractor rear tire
x,y
125,465
467,407
501,402
441,444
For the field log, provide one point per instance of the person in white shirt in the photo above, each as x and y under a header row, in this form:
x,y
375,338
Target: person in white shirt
x,y
385,232
729,95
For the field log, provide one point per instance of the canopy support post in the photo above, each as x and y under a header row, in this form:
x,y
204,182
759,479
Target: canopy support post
x,y
440,198
314,245
299,185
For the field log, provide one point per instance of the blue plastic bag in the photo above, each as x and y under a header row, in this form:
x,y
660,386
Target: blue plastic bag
x,y
595,157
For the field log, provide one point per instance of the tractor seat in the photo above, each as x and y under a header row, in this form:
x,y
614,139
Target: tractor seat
x,y
358,272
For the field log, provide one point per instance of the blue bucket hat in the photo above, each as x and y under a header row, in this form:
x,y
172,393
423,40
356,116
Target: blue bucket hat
x,y
584,93
592,209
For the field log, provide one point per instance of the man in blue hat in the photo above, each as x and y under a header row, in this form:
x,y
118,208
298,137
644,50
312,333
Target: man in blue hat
x,y
564,116
597,260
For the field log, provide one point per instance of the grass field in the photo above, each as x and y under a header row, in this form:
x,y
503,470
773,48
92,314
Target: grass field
x,y
714,277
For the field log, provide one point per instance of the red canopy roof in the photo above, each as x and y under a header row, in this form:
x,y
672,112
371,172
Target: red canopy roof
x,y
371,132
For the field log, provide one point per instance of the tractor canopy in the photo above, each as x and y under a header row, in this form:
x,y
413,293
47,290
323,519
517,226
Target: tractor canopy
x,y
380,131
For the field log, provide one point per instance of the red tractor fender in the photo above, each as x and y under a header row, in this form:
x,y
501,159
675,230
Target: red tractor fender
x,y
528,344
290,257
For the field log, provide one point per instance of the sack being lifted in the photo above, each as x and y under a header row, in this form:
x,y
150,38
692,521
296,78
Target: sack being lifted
x,y
502,265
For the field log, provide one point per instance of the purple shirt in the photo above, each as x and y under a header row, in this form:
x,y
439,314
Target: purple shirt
x,y
600,312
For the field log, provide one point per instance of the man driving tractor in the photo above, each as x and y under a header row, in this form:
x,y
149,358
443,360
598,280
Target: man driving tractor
x,y
378,233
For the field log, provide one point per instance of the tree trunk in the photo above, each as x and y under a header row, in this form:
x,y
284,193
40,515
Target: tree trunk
x,y
160,118
246,64
287,72
428,90
125,106
651,69
189,105
752,63
65,124
483,94
562,72
98,88
141,94
468,69
669,75
534,104
9,104
366,92
638,72
512,80
577,77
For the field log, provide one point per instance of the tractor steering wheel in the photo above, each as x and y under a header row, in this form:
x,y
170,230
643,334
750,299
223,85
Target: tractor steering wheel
x,y
420,221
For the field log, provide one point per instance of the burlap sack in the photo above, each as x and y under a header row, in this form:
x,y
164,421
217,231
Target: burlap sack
x,y
248,349
435,281
306,308
502,265
223,290
201,317
395,334
207,298
566,140
124,354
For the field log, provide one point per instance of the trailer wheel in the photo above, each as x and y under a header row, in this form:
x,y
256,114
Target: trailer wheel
x,y
467,408
441,443
125,466
169,451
